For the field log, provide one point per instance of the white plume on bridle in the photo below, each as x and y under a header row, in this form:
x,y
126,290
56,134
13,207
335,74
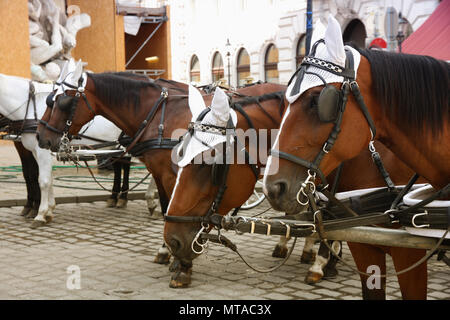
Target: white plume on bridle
x,y
218,116
332,51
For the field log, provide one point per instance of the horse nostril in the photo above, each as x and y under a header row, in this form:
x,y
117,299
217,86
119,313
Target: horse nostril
x,y
276,189
174,245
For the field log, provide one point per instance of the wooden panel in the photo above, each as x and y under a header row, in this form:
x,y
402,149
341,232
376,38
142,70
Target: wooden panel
x,y
14,39
102,44
120,43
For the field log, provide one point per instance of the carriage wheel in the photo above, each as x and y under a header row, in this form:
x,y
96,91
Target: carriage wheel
x,y
256,198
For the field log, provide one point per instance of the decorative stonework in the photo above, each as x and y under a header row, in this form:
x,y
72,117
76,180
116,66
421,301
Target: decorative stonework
x,y
254,35
52,37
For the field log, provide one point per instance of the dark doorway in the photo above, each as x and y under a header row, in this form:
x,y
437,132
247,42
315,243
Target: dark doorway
x,y
356,33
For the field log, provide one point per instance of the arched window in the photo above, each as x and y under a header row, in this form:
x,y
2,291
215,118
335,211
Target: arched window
x,y
195,69
271,64
217,67
243,67
301,50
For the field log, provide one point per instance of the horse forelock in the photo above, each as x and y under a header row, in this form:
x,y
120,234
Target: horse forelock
x,y
413,90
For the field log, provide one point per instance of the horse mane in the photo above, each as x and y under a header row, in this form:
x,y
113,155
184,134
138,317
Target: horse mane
x,y
258,99
412,89
120,88
172,84
167,81
237,105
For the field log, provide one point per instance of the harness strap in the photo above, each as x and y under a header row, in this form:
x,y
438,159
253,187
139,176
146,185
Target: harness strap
x,y
337,178
438,194
31,97
340,204
359,98
402,193
379,163
152,144
161,100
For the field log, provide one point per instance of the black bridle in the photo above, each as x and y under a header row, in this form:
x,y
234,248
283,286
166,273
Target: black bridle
x,y
230,132
211,217
349,84
133,147
66,137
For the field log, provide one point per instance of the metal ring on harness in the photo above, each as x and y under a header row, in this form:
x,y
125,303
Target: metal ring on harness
x,y
304,185
418,215
203,246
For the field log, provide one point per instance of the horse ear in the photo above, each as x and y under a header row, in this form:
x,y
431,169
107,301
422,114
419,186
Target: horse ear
x,y
318,32
78,72
334,42
220,106
64,72
196,102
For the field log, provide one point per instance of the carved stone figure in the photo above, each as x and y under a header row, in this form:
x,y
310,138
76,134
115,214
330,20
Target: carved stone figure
x,y
52,37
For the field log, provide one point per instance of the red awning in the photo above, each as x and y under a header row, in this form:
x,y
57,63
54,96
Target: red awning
x,y
433,36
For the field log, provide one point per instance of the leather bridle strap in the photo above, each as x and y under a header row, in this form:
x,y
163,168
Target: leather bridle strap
x,y
314,166
80,92
161,100
360,100
31,97
349,84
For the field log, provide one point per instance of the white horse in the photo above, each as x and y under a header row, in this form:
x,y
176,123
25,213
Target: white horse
x,y
14,93
14,96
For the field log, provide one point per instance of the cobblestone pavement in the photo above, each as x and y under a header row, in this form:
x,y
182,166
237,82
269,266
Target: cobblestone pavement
x,y
114,250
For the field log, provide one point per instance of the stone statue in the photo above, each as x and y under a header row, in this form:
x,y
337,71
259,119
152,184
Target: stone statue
x,y
52,37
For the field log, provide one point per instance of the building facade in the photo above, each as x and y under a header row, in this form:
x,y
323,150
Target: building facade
x,y
240,41
204,41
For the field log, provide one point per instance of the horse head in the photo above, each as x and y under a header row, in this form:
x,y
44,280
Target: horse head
x,y
207,170
66,115
313,119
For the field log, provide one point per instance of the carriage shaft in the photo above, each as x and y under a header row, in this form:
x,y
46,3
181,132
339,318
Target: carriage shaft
x,y
385,237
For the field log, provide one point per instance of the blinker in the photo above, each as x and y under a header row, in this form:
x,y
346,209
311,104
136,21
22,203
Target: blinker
x,y
49,100
328,104
64,102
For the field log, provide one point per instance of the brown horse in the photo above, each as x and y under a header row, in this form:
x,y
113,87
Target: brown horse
x,y
195,191
127,102
406,108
